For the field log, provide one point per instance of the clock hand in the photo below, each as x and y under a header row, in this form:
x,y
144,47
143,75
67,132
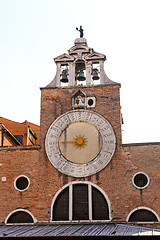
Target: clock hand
x,y
78,141
67,142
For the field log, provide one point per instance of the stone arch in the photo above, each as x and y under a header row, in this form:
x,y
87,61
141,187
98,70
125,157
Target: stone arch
x,y
20,216
80,200
143,214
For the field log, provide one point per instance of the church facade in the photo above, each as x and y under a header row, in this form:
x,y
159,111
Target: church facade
x,y
80,171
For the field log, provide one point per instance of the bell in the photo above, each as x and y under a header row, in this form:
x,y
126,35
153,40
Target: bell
x,y
64,78
80,76
95,74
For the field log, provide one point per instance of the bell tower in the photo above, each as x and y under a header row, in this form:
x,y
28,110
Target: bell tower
x,y
82,66
80,114
80,97
81,139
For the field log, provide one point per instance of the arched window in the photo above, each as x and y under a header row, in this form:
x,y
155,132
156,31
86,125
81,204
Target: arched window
x,y
80,201
20,216
143,215
61,206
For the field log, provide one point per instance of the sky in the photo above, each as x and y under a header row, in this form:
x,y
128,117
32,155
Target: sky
x,y
33,32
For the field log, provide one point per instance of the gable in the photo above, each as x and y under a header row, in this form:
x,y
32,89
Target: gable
x,y
64,58
95,56
79,92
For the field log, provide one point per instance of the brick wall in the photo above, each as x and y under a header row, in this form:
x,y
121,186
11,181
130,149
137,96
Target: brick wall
x,y
16,161
55,102
45,180
142,158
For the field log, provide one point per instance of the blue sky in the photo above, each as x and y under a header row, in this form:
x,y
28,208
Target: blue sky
x,y
33,32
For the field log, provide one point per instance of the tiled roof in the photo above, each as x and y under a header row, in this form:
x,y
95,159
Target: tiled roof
x,y
17,128
110,229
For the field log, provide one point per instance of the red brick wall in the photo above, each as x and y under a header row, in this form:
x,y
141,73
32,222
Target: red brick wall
x,y
16,161
143,158
55,102
115,179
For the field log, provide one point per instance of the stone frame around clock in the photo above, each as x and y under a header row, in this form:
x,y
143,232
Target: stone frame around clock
x,y
99,162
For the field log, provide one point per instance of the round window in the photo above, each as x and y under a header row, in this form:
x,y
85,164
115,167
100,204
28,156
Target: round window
x,y
22,183
140,180
90,102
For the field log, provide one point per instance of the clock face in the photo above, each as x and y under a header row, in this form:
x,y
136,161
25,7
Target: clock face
x,y
80,143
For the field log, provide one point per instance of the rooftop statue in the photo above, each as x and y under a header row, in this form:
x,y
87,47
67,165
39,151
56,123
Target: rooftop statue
x,y
81,31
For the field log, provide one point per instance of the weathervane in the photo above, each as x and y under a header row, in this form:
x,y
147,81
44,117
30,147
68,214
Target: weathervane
x,y
81,31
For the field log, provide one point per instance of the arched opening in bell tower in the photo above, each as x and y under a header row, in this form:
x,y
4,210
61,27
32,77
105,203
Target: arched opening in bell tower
x,y
80,72
95,74
64,75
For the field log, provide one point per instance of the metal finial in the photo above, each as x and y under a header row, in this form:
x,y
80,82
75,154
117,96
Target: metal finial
x,y
81,31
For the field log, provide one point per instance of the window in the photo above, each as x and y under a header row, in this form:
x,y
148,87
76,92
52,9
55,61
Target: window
x,y
20,216
80,201
99,205
140,180
19,138
22,183
61,207
143,215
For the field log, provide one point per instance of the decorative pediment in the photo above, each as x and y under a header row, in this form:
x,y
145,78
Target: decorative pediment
x,y
64,58
79,48
79,92
95,56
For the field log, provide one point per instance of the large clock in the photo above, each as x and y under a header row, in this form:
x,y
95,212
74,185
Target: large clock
x,y
80,143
